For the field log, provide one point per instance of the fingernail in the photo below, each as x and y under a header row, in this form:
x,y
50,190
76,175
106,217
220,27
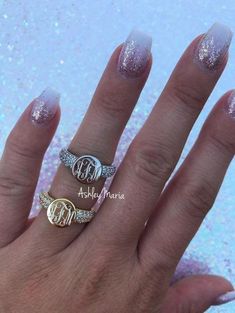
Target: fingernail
x,y
225,298
45,106
135,54
230,105
213,46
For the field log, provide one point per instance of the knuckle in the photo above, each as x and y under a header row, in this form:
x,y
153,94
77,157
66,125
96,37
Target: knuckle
x,y
198,197
160,262
153,165
222,144
14,185
188,95
16,148
161,267
179,296
111,103
14,180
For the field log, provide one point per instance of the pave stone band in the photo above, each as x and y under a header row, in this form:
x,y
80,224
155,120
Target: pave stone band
x,y
62,212
87,168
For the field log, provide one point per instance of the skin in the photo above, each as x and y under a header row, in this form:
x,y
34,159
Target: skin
x,y
117,263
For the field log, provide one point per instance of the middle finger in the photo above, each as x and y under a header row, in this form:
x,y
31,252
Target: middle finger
x,y
155,151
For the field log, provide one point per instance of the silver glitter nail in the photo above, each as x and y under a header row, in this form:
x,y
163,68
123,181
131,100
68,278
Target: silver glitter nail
x,y
45,106
227,297
135,54
230,106
214,46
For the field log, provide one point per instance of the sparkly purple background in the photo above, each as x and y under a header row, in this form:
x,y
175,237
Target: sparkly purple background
x,y
66,44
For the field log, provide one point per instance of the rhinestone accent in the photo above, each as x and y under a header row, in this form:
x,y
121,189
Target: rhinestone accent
x,y
108,171
67,158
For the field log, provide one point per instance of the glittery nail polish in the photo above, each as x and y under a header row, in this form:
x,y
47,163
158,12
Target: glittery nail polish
x,y
213,46
135,54
225,298
45,106
230,105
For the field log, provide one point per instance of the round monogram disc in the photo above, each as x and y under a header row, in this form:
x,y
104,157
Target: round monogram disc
x,y
87,169
61,212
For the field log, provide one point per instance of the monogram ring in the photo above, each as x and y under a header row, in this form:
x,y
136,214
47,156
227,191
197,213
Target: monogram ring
x,y
87,168
62,212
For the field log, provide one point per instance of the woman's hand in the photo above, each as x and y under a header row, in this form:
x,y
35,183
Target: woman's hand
x,y
118,262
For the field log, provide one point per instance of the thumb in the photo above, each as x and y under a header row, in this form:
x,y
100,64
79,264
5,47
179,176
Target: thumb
x,y
197,293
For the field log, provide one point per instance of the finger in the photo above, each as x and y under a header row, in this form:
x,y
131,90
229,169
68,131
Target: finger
x,y
30,222
99,133
155,151
191,193
21,162
195,294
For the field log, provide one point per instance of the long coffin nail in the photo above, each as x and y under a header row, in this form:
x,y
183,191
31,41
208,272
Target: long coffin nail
x,y
230,105
45,106
225,298
213,46
135,54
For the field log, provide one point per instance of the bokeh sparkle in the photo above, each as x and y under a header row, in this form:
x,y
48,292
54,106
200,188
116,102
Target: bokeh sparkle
x,y
66,44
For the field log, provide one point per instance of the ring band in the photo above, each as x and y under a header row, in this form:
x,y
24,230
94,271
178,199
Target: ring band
x,y
62,212
87,168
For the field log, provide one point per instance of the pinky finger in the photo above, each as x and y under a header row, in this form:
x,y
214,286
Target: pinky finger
x,y
21,162
196,294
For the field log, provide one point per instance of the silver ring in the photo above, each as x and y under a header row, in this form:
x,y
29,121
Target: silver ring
x,y
86,168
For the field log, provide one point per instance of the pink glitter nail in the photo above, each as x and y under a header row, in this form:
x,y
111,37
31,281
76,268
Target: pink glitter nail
x,y
135,54
213,46
45,106
230,105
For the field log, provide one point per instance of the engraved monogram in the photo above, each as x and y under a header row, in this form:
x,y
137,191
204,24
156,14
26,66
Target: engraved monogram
x,y
87,169
61,212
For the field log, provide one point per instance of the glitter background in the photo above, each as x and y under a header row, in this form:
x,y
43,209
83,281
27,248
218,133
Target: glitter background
x,y
66,44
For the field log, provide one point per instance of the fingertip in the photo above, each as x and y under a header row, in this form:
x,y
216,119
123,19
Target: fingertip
x,y
45,108
198,292
132,60
212,49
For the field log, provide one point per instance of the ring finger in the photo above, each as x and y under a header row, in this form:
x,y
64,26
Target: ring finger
x,y
99,133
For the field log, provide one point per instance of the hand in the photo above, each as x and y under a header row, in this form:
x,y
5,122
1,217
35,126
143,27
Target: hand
x,y
118,262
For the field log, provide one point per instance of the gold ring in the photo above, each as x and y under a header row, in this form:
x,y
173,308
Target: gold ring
x,y
62,212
